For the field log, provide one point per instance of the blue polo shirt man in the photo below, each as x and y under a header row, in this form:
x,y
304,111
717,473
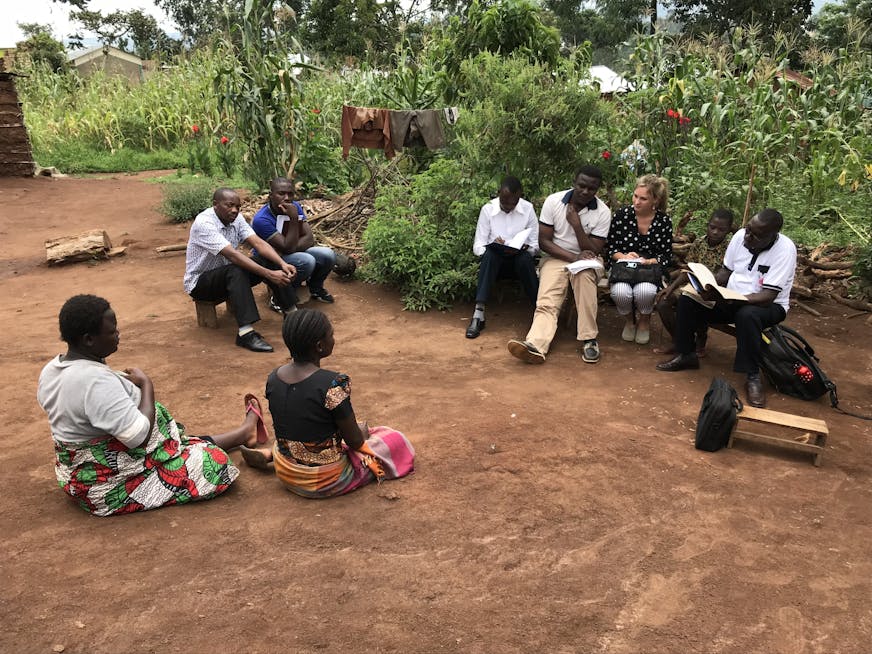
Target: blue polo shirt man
x,y
282,223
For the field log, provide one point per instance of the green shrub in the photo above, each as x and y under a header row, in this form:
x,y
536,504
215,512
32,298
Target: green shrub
x,y
183,201
420,239
526,120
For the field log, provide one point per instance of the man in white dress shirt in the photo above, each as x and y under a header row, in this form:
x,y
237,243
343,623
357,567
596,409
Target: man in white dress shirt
x,y
502,219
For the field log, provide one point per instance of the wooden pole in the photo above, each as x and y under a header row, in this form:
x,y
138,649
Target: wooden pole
x,y
748,197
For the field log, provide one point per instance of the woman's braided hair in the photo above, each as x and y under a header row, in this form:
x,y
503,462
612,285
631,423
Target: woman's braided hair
x,y
301,332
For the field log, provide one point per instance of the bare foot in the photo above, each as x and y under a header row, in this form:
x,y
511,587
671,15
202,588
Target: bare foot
x,y
670,349
253,411
250,426
257,457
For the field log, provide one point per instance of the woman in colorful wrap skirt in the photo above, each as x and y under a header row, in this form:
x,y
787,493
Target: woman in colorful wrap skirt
x,y
117,450
320,449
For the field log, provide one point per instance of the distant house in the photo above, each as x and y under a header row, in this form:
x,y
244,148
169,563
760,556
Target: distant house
x,y
609,81
110,60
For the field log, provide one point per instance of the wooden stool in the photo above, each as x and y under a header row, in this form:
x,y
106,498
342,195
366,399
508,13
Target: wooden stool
x,y
207,316
781,429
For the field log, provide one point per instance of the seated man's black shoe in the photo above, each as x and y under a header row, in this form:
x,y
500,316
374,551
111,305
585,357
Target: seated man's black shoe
x,y
680,362
254,342
475,327
754,391
321,295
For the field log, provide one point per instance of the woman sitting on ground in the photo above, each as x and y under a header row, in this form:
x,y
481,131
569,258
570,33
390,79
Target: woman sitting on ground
x,y
641,232
117,450
320,449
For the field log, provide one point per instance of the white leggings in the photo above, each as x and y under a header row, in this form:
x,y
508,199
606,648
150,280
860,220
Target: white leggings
x,y
625,295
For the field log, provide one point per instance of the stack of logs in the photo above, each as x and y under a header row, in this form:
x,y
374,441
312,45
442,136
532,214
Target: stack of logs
x,y
822,274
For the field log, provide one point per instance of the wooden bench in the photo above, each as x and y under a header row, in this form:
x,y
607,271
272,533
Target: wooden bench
x,y
207,316
783,429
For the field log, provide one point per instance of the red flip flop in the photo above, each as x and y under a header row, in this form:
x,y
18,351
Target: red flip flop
x,y
252,404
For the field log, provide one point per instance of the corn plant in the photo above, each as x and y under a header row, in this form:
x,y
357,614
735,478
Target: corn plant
x,y
259,90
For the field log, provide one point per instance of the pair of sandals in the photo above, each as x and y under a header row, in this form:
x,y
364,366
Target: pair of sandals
x,y
255,458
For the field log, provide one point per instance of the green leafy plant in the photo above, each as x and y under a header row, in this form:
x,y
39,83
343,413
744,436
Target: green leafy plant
x,y
226,156
259,89
183,201
199,158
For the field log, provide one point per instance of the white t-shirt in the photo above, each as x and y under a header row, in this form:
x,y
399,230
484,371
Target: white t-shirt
x,y
773,268
86,399
493,222
594,221
207,238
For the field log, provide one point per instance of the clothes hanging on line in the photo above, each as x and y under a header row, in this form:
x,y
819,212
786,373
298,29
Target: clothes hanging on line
x,y
366,128
421,128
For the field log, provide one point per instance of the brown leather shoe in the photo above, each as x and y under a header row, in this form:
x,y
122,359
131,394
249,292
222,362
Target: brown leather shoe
x,y
754,391
680,362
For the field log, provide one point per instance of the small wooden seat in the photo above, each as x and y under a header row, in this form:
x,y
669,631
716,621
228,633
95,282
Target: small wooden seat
x,y
784,429
207,316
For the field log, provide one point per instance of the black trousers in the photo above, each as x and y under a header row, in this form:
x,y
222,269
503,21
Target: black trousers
x,y
750,322
519,266
232,283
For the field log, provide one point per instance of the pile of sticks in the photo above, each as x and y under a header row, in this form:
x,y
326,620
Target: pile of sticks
x,y
337,222
825,273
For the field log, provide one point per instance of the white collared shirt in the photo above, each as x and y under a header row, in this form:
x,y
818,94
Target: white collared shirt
x,y
207,238
495,223
773,268
594,222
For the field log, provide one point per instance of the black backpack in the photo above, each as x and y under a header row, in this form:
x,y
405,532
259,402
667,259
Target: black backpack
x,y
791,367
717,416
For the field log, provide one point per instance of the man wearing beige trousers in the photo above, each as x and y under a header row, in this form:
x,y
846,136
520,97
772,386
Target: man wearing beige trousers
x,y
573,229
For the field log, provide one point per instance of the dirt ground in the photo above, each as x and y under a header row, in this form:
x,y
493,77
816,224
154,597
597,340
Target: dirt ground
x,y
557,508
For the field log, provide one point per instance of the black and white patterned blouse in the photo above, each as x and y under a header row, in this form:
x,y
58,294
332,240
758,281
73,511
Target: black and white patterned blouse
x,y
624,236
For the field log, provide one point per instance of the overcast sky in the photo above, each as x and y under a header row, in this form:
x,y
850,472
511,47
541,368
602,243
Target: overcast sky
x,y
56,15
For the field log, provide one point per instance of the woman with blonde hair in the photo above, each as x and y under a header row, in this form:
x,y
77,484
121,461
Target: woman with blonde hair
x,y
640,249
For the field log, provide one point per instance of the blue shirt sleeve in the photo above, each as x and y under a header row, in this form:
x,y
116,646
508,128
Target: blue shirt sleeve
x,y
264,223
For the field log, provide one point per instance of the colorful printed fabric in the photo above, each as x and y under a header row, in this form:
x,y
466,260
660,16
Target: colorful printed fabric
x,y
386,451
106,478
711,257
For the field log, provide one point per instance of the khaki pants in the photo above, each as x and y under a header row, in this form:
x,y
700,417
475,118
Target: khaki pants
x,y
554,281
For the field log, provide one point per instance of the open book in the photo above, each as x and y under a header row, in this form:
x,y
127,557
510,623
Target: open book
x,y
583,264
701,279
514,243
518,240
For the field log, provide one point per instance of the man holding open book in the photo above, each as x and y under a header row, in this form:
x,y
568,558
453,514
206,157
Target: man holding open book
x,y
751,289
506,239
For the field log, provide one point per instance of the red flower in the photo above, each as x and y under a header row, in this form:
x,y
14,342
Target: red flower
x,y
224,140
195,129
671,113
683,120
316,111
607,154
